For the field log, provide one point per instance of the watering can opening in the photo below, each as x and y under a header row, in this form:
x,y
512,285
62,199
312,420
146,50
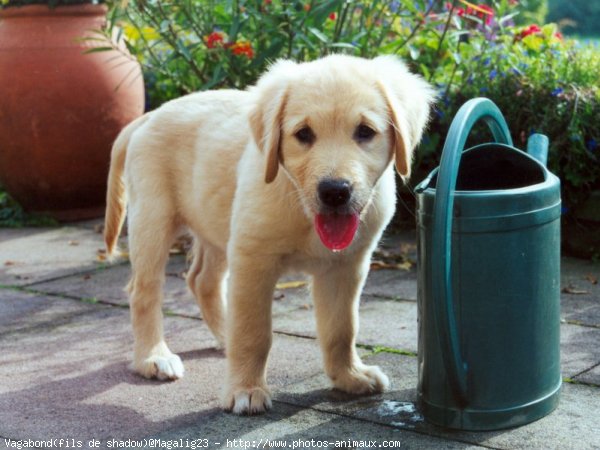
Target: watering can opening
x,y
491,167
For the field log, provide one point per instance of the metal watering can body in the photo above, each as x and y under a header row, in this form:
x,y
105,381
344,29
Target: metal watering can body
x,y
488,280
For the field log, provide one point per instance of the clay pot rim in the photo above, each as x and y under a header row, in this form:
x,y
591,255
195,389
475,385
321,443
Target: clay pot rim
x,y
84,9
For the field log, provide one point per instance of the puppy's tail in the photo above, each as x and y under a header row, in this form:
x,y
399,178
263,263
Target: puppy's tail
x,y
116,195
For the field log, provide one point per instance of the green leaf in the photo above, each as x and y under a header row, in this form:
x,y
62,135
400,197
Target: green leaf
x,y
414,52
184,50
344,45
533,42
98,50
319,35
322,10
410,5
271,52
549,30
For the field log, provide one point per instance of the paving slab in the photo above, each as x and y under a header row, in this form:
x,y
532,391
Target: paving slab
x,y
107,284
64,361
579,349
574,421
7,234
580,291
395,284
47,253
591,376
288,426
64,371
385,323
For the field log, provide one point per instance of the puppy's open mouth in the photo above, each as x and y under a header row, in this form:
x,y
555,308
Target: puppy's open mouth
x,y
336,230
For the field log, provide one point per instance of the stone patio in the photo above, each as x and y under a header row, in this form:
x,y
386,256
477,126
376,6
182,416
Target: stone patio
x,y
65,345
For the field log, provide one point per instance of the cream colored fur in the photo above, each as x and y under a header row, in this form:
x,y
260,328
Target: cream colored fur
x,y
226,165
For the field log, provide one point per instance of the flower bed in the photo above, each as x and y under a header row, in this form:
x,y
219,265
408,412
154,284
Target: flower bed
x,y
541,81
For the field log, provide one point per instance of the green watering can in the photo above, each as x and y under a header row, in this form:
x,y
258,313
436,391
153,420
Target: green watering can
x,y
488,280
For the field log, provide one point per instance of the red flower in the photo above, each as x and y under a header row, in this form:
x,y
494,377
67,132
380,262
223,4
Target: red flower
x,y
332,16
487,13
558,35
531,29
214,39
242,48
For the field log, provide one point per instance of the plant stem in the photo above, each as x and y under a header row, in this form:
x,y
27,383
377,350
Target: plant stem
x,y
417,27
446,26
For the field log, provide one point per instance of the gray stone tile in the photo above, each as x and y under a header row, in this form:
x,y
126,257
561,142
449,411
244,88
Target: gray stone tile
x,y
107,285
47,253
294,427
392,284
316,392
591,376
575,420
579,349
572,425
8,234
580,296
580,309
64,371
395,283
385,323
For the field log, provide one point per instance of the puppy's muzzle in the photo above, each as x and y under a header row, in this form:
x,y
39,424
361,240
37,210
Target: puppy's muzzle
x,y
334,193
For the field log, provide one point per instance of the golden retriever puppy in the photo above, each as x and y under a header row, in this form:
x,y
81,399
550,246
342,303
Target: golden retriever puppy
x,y
295,173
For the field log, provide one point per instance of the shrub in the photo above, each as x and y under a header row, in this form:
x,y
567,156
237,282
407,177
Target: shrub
x,y
193,45
540,81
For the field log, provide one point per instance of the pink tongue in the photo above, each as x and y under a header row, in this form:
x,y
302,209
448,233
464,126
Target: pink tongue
x,y
336,230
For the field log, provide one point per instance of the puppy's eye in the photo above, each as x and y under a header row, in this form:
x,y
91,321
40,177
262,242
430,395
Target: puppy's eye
x,y
364,133
305,135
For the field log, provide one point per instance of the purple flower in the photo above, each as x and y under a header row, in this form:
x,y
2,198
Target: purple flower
x,y
394,6
591,144
493,74
556,92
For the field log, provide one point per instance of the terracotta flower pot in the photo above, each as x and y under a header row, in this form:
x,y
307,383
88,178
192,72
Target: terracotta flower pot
x,y
60,108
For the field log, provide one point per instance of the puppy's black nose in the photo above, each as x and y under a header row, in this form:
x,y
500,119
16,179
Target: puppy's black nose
x,y
334,192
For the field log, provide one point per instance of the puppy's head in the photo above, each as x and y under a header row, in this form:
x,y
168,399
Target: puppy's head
x,y
333,126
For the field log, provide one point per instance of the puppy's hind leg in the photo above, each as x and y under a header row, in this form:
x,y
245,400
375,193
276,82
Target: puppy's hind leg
x,y
205,279
151,231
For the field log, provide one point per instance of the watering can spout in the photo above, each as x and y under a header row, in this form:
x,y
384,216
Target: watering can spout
x,y
537,146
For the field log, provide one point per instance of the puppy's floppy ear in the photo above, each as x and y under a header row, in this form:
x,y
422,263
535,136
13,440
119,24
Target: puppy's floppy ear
x,y
408,98
267,115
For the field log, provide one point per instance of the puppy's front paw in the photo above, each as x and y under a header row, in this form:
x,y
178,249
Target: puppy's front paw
x,y
163,367
248,401
361,380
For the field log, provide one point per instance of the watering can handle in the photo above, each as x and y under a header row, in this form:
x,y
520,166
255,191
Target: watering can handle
x,y
444,317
